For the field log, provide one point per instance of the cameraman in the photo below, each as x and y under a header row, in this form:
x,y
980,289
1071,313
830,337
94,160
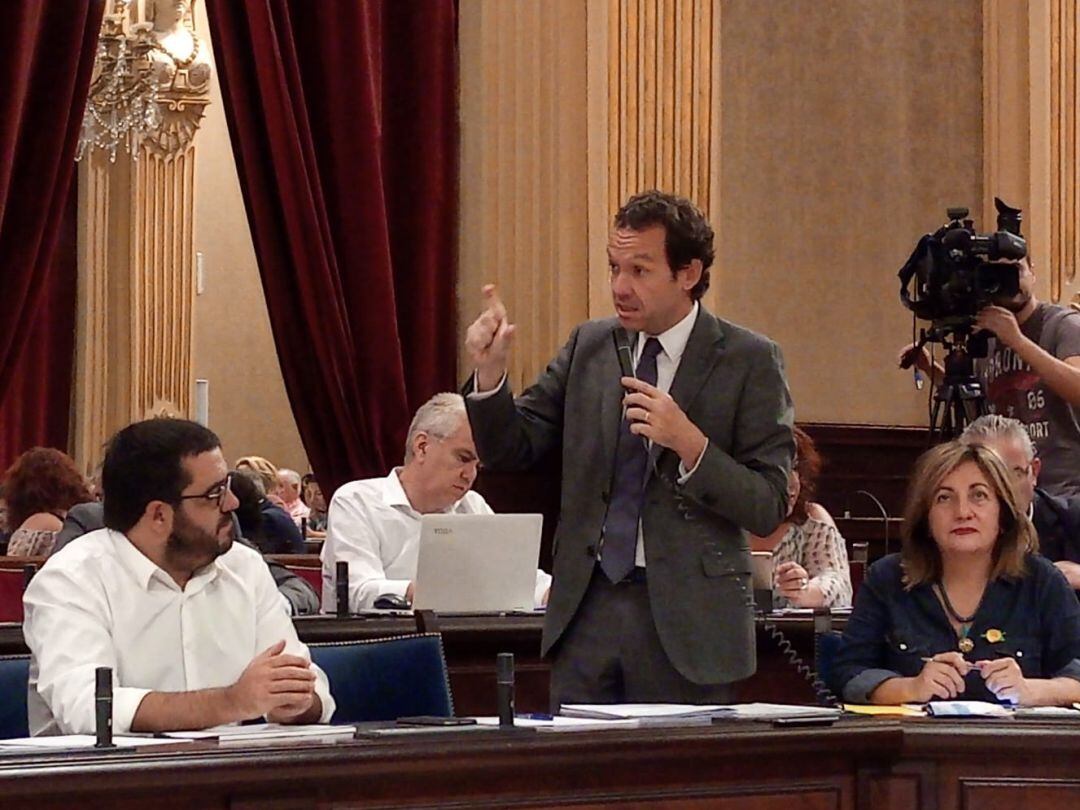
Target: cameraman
x,y
1032,374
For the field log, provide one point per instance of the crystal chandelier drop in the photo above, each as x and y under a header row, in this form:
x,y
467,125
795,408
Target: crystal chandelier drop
x,y
122,107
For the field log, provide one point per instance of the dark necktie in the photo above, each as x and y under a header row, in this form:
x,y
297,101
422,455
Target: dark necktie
x,y
628,486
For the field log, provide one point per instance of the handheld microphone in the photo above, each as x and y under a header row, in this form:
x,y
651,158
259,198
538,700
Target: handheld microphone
x,y
625,353
341,584
626,357
103,707
504,687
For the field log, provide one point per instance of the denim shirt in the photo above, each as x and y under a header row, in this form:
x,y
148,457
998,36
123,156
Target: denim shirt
x,y
891,630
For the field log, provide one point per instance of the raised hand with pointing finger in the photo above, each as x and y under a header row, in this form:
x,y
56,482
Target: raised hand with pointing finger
x,y
488,340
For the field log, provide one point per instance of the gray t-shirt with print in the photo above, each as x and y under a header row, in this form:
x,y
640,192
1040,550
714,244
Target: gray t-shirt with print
x,y
1013,389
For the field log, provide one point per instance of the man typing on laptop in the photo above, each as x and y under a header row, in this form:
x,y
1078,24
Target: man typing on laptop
x,y
374,524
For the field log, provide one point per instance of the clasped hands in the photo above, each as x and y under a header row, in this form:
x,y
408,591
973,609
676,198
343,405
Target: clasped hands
x,y
275,685
943,677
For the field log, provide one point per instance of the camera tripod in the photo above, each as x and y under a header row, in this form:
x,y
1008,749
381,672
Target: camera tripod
x,y
959,400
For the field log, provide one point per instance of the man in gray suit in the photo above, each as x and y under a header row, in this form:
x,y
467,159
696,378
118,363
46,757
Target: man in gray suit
x,y
662,470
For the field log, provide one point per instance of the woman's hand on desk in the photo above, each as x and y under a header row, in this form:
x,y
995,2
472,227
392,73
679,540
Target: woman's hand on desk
x,y
1004,678
941,677
794,584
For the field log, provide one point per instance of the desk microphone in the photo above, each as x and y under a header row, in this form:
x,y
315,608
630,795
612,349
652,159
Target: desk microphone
x,y
341,583
103,707
504,687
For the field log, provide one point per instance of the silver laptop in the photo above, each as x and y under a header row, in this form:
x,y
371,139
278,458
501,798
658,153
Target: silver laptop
x,y
477,563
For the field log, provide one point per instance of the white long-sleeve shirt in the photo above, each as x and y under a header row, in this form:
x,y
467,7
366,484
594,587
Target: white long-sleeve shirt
x,y
372,526
101,602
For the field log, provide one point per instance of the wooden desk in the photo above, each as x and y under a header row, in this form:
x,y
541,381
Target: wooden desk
x,y
876,764
472,642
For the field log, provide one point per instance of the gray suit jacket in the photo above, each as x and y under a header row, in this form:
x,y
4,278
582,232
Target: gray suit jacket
x,y
731,384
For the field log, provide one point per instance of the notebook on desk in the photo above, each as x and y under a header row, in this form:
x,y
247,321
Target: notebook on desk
x,y
477,563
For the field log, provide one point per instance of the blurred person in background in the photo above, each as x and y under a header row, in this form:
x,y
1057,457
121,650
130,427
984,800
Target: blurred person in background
x,y
267,472
288,488
809,556
312,494
40,487
265,524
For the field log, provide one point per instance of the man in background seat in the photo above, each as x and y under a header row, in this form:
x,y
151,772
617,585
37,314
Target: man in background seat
x,y
1056,518
374,524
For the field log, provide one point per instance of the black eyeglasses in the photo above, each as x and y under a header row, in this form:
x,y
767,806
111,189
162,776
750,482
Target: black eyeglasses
x,y
216,493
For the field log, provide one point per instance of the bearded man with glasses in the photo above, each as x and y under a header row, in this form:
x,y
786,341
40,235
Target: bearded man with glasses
x,y
191,624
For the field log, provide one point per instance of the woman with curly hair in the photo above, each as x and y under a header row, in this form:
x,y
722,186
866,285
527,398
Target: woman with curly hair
x,y
39,488
810,556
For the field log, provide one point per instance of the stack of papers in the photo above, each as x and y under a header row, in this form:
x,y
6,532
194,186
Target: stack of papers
x,y
894,710
262,731
777,711
966,708
639,711
67,742
1053,712
558,723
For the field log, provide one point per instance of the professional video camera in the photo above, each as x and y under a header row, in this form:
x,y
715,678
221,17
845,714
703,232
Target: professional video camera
x,y
957,272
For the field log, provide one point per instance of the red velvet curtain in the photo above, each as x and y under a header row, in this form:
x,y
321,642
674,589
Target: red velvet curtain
x,y
343,119
46,60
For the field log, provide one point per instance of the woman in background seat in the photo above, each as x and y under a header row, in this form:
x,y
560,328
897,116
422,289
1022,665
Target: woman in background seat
x,y
809,555
39,487
967,609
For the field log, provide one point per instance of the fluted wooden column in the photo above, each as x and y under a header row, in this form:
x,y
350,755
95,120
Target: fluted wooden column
x,y
101,393
661,100
1064,137
1031,130
658,106
162,284
136,275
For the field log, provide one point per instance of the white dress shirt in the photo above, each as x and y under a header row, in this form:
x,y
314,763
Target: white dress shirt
x,y
101,603
372,526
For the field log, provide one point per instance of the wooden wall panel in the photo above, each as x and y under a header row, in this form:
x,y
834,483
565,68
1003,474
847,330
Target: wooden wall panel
x,y
661,98
847,129
162,284
1064,134
524,199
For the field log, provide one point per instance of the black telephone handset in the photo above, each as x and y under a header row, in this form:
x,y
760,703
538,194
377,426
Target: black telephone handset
x,y
824,695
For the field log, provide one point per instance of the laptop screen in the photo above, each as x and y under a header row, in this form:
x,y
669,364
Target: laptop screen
x,y
477,563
